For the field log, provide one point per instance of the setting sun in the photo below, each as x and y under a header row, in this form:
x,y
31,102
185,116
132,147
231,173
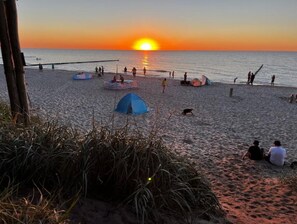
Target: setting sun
x,y
146,44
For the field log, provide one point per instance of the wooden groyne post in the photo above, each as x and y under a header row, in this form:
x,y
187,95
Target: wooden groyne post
x,y
67,63
231,92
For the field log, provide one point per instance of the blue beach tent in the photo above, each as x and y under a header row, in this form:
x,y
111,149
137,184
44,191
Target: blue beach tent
x,y
131,104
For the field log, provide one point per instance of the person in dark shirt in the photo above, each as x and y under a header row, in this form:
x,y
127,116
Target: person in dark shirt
x,y
254,152
252,78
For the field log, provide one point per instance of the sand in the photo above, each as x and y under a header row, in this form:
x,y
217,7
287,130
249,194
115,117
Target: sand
x,y
214,138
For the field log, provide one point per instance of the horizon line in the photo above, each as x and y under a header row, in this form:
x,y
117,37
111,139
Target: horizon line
x,y
87,49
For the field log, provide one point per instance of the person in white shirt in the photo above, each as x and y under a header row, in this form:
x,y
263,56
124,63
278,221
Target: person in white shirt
x,y
276,154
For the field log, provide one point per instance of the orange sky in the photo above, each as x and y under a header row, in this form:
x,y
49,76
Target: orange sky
x,y
194,25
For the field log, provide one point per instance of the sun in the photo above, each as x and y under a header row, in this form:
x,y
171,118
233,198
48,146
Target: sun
x,y
146,44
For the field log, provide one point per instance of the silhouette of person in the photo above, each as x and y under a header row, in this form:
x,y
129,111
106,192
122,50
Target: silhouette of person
x,y
134,72
185,76
254,152
249,78
252,78
272,80
144,70
125,69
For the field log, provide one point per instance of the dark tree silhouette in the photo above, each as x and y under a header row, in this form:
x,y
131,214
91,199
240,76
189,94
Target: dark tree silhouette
x,y
12,61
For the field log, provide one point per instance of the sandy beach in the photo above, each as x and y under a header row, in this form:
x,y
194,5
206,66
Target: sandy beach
x,y
214,138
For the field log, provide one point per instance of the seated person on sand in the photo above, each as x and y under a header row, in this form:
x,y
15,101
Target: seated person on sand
x,y
276,154
254,152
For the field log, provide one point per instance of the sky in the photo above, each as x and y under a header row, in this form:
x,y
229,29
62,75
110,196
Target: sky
x,y
265,25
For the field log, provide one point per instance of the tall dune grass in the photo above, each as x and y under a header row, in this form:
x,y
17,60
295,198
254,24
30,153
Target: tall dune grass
x,y
117,165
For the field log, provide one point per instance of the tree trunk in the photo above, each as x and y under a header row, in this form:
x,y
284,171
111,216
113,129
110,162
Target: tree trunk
x,y
12,21
8,63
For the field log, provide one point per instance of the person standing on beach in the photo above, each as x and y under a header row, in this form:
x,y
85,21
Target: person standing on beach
x,y
172,74
125,69
102,68
252,78
134,72
254,152
276,154
164,84
185,76
249,78
272,80
144,71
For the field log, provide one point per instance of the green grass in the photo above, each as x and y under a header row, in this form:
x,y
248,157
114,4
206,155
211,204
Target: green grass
x,y
119,165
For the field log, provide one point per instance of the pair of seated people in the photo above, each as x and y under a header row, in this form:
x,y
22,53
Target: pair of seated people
x,y
276,154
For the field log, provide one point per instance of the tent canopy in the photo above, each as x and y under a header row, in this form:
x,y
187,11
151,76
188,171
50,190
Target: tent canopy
x,y
132,104
82,76
205,80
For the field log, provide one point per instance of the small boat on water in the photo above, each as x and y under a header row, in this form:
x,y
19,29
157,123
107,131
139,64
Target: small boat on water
x,y
118,85
82,76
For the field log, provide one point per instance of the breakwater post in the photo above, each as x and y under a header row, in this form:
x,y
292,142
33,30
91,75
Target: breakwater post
x,y
231,92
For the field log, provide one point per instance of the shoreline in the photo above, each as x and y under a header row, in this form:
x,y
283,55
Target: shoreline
x,y
214,138
140,74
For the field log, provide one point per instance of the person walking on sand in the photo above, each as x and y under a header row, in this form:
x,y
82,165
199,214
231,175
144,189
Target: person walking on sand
x,y
276,154
134,72
272,80
164,84
254,152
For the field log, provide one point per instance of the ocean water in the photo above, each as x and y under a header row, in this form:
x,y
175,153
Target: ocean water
x,y
221,66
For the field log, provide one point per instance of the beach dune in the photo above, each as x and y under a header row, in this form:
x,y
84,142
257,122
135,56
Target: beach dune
x,y
215,137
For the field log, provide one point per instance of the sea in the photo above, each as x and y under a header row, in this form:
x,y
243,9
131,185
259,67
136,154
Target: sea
x,y
218,66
